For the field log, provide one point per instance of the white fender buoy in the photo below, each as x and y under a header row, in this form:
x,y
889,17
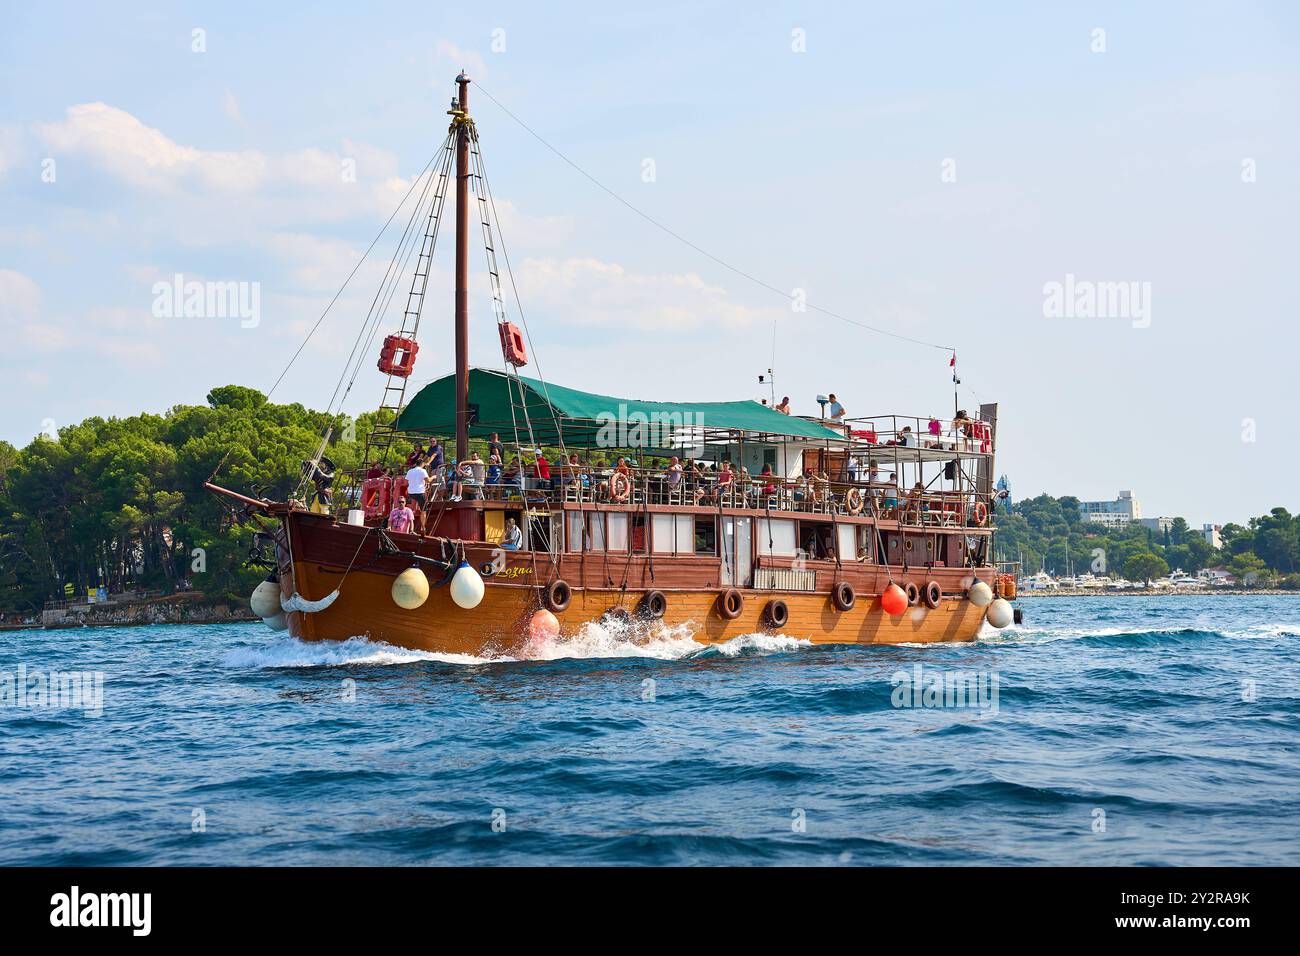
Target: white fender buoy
x,y
1000,613
466,587
980,594
277,622
410,589
265,601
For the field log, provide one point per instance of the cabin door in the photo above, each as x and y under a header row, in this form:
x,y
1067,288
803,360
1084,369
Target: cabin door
x,y
737,552
834,462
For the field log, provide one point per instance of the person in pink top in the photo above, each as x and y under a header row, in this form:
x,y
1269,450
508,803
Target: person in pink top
x,y
402,518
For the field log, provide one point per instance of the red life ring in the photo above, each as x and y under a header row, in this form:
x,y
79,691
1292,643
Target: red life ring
x,y
620,486
374,496
981,514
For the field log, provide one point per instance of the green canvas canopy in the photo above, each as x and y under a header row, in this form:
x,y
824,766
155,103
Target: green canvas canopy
x,y
588,420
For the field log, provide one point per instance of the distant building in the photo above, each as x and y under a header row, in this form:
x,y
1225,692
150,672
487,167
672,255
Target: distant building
x,y
1124,510
1213,535
1158,525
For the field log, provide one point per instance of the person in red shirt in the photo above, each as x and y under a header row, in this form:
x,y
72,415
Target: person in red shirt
x,y
542,470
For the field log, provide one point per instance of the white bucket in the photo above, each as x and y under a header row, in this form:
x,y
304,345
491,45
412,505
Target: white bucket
x,y
356,518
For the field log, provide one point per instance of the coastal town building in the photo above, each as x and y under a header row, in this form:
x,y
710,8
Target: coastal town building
x,y
1121,512
1158,525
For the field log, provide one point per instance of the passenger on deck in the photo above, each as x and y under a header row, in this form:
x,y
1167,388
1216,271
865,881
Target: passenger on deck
x,y
473,473
673,476
725,477
512,473
542,470
622,467
494,469
453,481
891,495
821,486
935,430
496,448
784,407
376,470
416,479
907,437
914,503
402,518
513,537
836,409
769,481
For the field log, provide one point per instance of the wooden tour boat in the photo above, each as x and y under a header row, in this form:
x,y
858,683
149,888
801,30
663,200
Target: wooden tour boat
x,y
754,520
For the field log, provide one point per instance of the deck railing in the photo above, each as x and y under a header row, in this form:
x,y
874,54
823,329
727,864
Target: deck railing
x,y
926,507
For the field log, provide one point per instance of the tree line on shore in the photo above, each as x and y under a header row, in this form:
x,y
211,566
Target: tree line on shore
x,y
119,503
1048,533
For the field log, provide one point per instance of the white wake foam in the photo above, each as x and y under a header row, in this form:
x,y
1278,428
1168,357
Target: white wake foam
x,y
592,641
291,652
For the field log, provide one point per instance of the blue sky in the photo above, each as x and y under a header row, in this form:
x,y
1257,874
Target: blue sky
x,y
819,170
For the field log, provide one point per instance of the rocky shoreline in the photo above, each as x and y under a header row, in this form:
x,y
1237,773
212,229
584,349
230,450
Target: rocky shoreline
x,y
181,608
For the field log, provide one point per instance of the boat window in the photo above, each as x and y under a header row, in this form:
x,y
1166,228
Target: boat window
x,y
575,537
596,531
706,536
848,542
816,540
617,526
673,534
776,537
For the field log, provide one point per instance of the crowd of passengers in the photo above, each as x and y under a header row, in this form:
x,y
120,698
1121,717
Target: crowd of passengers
x,y
432,476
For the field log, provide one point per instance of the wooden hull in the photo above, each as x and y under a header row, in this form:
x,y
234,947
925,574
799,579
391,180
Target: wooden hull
x,y
321,557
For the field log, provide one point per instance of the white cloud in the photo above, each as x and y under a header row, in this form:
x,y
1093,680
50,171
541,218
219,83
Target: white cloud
x,y
458,58
289,187
593,292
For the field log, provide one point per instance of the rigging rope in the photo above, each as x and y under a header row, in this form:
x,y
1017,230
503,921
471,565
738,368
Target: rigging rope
x,y
702,251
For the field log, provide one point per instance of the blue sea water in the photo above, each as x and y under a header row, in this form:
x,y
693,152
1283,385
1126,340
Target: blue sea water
x,y
1131,730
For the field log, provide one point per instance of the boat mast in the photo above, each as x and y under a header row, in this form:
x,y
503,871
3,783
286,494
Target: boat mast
x,y
462,123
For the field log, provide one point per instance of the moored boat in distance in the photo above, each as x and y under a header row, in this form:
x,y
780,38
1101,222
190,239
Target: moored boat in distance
x,y
721,518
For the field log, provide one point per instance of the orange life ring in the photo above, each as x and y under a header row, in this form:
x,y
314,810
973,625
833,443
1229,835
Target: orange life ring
x,y
620,486
981,514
